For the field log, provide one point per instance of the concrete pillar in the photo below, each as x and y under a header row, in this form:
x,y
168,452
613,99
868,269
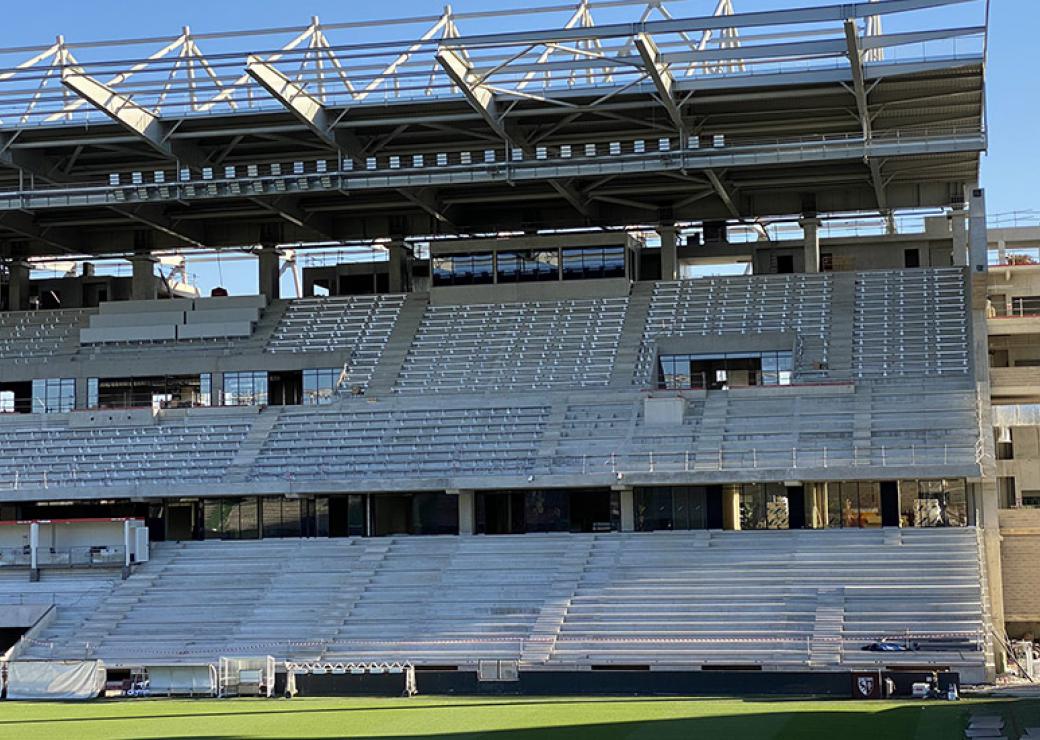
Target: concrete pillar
x,y
467,512
398,266
269,263
669,253
142,282
18,285
730,507
823,516
959,229
811,229
628,509
978,236
34,549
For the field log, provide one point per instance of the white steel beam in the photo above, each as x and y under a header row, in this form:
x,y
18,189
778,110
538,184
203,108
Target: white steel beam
x,y
482,99
854,51
661,76
133,117
303,105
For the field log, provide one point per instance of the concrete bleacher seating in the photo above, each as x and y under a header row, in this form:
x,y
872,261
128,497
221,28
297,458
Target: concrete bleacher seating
x,y
910,322
403,442
355,327
189,450
26,335
667,600
514,346
717,306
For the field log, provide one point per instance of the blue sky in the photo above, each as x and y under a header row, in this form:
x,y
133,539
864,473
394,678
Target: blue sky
x,y
1009,169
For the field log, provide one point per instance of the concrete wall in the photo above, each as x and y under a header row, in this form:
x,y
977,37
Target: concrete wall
x,y
851,254
1020,552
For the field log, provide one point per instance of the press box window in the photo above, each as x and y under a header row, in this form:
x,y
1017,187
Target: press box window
x,y
53,395
319,386
529,266
463,269
245,389
593,262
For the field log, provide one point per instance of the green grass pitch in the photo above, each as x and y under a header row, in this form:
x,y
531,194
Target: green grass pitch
x,y
505,718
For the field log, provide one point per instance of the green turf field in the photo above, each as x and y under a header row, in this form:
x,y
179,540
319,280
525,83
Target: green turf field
x,y
504,718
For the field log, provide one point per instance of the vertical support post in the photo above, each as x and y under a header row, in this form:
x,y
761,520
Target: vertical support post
x,y
959,229
811,230
268,265
978,237
628,509
18,285
730,507
127,545
669,252
467,512
142,282
34,549
398,252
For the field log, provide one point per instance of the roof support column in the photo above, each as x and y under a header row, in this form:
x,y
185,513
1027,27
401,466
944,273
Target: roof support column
x,y
627,501
398,250
467,501
669,252
811,228
978,239
268,259
731,507
959,229
18,285
142,282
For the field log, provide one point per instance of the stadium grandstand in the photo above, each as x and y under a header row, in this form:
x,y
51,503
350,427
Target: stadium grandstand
x,y
627,338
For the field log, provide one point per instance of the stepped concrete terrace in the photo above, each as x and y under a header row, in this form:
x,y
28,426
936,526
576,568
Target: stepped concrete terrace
x,y
909,429
800,600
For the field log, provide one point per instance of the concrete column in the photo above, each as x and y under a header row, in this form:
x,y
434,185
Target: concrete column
x,y
628,509
18,285
978,236
398,263
142,283
811,229
822,505
669,252
959,229
467,512
730,507
269,263
34,549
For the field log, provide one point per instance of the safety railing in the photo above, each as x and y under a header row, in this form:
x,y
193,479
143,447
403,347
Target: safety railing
x,y
766,459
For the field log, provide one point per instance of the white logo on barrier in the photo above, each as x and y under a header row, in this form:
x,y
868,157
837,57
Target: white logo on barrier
x,y
865,685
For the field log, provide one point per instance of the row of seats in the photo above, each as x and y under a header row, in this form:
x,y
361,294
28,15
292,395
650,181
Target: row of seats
x,y
910,322
514,346
743,305
183,451
25,335
693,599
356,327
496,438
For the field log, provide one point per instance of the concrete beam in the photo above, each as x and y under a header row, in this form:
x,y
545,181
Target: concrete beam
x,y
154,216
660,75
64,239
138,120
289,210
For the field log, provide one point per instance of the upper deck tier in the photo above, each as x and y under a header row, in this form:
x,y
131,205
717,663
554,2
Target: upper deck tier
x,y
608,113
